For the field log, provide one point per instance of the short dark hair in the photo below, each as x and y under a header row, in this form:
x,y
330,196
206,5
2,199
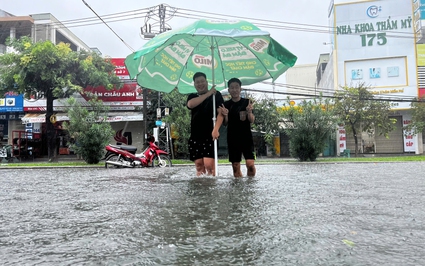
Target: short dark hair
x,y
199,74
234,80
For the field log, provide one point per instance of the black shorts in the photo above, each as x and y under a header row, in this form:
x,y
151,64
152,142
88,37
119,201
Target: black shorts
x,y
236,151
201,149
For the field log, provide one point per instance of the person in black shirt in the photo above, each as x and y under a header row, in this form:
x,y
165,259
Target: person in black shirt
x,y
201,143
237,114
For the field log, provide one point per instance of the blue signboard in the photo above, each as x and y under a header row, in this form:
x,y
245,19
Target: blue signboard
x,y
13,103
422,9
419,9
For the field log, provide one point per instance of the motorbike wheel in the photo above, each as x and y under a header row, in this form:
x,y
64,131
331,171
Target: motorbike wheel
x,y
113,158
161,161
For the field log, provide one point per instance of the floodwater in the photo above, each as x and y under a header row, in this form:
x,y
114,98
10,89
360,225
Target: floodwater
x,y
290,214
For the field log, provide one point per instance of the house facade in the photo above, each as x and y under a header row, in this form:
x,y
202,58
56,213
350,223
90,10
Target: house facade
x,y
25,118
378,44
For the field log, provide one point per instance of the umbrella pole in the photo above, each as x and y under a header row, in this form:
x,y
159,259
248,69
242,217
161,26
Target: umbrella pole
x,y
214,109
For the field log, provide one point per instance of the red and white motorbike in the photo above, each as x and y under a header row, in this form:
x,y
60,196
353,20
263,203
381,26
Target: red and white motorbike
x,y
118,156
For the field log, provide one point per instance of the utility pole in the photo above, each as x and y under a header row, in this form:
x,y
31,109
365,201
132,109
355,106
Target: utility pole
x,y
159,14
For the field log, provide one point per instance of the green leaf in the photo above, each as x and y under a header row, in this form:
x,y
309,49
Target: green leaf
x,y
348,242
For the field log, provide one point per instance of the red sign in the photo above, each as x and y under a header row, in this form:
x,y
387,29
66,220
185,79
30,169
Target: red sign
x,y
421,92
120,69
130,92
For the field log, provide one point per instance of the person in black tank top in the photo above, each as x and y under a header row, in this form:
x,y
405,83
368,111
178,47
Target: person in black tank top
x,y
237,114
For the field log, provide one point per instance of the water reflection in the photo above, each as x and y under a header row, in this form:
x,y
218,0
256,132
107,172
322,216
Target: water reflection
x,y
205,220
298,214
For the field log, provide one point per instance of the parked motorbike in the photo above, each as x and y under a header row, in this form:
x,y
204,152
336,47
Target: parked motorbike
x,y
118,156
6,154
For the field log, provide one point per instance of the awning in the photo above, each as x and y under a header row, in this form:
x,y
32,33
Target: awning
x,y
33,118
112,117
124,116
41,118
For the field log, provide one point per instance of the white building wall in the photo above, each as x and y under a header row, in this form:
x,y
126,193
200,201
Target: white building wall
x,y
301,79
326,84
374,45
372,48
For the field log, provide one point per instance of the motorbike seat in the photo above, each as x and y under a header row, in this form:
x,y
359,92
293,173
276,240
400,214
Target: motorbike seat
x,y
129,148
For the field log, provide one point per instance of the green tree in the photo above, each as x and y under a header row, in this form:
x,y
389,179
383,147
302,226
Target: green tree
x,y
309,125
360,111
54,71
267,119
417,124
89,129
179,119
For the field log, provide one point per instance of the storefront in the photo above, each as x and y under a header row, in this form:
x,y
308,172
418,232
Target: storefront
x,y
11,111
26,118
370,48
127,127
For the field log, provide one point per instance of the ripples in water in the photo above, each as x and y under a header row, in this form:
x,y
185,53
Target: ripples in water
x,y
291,214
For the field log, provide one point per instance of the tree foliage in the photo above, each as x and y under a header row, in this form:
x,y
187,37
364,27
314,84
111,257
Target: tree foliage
x,y
44,69
360,111
308,125
89,129
179,119
417,124
267,119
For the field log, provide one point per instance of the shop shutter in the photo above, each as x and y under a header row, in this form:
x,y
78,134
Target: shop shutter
x,y
395,142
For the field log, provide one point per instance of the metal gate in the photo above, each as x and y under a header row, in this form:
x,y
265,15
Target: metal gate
x,y
393,144
395,141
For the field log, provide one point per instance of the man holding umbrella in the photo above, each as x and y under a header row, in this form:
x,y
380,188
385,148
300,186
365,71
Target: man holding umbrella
x,y
223,49
201,143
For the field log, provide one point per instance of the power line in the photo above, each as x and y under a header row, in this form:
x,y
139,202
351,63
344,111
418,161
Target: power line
x,y
313,91
309,95
108,26
195,15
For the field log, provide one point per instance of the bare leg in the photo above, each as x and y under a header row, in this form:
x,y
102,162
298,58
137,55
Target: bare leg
x,y
237,169
250,168
209,166
200,167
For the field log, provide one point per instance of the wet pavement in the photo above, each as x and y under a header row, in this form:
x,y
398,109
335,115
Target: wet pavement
x,y
290,214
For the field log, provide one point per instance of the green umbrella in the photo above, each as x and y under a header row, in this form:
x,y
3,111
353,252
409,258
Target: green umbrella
x,y
235,49
220,49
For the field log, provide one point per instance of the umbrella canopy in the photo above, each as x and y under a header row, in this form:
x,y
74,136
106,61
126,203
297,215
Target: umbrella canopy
x,y
220,49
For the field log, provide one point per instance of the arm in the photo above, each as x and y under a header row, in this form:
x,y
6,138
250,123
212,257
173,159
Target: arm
x,y
226,118
251,117
192,103
249,109
222,117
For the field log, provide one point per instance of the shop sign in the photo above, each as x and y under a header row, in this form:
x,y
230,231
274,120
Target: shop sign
x,y
129,92
342,138
409,138
12,103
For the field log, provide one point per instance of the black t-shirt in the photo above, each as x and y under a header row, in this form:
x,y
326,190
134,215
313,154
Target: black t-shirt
x,y
201,124
238,131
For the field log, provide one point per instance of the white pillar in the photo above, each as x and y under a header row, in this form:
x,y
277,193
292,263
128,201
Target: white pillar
x,y
12,32
52,34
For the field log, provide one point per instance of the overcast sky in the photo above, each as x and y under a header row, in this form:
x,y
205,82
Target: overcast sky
x,y
305,41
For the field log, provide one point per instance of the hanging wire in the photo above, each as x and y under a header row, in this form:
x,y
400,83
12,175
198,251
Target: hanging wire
x,y
126,44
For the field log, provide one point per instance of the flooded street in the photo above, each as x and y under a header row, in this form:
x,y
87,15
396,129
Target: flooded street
x,y
290,214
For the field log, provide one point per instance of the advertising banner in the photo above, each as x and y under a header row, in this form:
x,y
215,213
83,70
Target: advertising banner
x,y
130,92
420,49
13,103
410,142
373,48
